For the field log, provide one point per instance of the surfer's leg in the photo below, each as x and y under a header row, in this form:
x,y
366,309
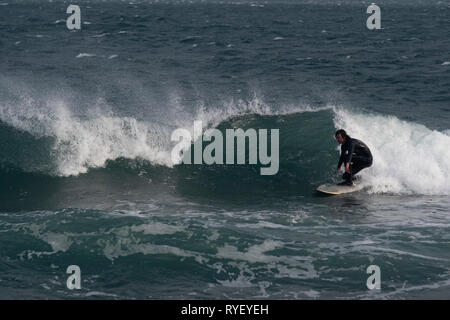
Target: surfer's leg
x,y
347,178
355,168
358,164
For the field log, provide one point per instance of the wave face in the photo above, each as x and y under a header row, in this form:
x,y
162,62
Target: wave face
x,y
47,137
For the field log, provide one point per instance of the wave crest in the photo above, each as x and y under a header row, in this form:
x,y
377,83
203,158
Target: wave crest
x,y
90,140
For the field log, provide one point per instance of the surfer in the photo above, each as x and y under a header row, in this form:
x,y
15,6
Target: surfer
x,y
355,155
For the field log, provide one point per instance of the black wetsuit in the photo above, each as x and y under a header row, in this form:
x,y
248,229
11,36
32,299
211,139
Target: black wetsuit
x,y
358,154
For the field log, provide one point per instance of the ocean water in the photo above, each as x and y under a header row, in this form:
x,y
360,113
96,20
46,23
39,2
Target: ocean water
x,y
86,176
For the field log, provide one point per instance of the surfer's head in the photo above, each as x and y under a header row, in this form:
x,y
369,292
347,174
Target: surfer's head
x,y
340,136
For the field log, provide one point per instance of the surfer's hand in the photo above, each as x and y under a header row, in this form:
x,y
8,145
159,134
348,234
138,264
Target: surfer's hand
x,y
347,168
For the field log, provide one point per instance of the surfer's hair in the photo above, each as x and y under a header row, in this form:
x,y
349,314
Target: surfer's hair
x,y
342,133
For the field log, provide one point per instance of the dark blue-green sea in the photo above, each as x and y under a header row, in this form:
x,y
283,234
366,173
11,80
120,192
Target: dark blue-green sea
x,y
86,176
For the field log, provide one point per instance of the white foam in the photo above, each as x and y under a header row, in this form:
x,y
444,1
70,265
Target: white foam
x,y
99,293
253,254
157,228
90,141
100,35
81,144
124,247
311,293
408,157
264,224
240,282
396,252
84,55
58,242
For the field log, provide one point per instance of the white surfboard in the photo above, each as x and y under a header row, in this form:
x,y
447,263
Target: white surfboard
x,y
335,189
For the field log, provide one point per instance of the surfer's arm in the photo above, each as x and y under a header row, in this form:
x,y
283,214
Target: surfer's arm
x,y
347,167
349,153
341,160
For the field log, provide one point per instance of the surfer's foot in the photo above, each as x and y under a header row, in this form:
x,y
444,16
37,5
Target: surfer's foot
x,y
345,183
